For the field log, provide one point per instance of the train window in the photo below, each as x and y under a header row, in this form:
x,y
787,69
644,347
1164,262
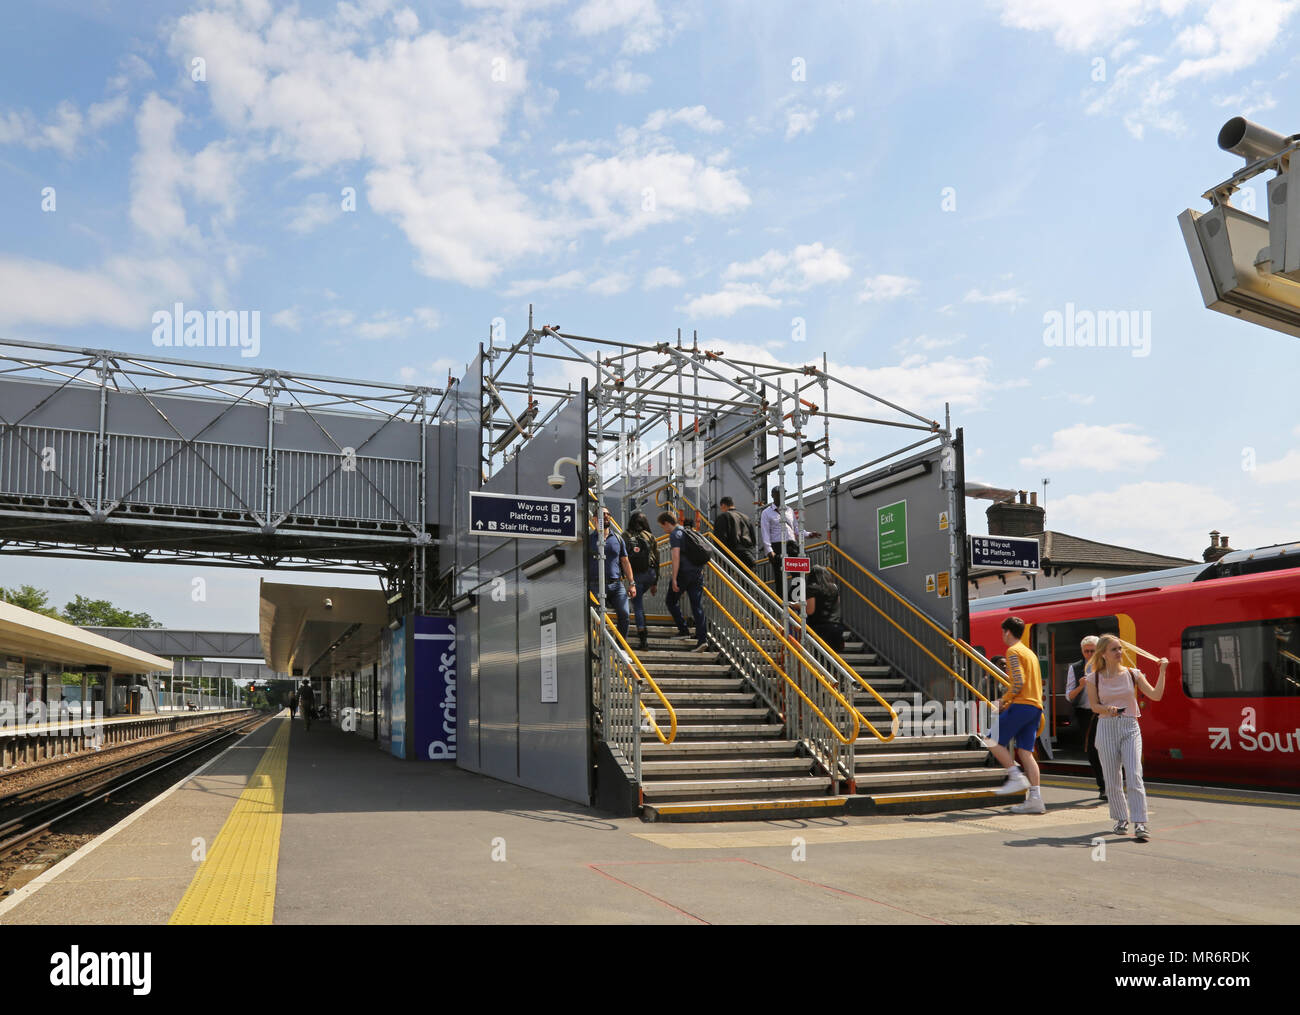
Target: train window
x,y
1057,646
1258,658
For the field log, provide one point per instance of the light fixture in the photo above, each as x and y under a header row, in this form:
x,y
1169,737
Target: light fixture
x,y
395,598
872,485
329,604
464,602
537,566
393,625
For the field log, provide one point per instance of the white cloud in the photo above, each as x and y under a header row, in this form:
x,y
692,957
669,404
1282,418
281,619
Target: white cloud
x,y
844,115
123,293
634,189
1046,361
732,298
619,77
661,278
1285,470
1001,297
1082,25
640,20
289,318
1115,446
317,210
800,120
695,117
567,280
610,285
428,317
1163,517
802,268
881,288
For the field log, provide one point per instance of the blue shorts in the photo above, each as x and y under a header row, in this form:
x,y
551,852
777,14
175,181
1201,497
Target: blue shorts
x,y
1020,722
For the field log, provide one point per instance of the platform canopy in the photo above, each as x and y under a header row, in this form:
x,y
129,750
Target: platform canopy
x,y
34,635
319,630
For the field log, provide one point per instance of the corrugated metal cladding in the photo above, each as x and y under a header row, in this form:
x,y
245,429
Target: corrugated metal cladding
x,y
204,454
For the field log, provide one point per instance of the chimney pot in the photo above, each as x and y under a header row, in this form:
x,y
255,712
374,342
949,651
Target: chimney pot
x,y
1033,497
1224,544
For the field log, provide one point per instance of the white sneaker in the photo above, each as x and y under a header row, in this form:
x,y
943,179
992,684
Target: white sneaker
x,y
1032,805
1016,781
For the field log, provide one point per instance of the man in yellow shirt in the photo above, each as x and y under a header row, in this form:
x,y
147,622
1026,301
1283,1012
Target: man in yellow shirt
x,y
1017,716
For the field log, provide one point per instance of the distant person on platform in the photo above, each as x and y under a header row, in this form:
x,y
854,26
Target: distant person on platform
x,y
823,593
1077,691
307,697
780,530
293,704
643,552
686,577
1018,714
736,532
618,568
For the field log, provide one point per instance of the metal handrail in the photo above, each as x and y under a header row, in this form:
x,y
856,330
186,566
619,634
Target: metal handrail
x,y
820,647
631,661
956,643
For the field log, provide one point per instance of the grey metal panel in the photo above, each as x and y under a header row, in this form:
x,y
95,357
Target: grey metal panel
x,y
498,689
469,472
167,642
47,462
927,544
208,419
445,498
168,472
75,406
329,485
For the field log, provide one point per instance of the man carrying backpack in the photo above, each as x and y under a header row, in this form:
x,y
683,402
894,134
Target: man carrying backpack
x,y
736,532
690,558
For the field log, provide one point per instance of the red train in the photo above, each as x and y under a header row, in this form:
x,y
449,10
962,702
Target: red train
x,y
1231,632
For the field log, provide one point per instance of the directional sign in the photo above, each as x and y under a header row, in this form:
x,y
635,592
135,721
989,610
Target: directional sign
x,y
1004,552
796,565
515,516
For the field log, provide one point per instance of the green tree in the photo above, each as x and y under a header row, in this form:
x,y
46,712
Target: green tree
x,y
86,612
29,597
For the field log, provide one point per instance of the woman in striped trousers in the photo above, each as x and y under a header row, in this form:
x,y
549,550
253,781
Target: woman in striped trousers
x,y
1112,689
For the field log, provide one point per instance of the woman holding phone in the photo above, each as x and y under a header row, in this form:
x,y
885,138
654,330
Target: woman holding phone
x,y
1112,689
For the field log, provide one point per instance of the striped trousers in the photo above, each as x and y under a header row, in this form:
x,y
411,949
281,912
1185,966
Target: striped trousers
x,y
1119,742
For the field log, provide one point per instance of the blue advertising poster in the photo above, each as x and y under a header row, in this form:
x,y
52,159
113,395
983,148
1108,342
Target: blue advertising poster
x,y
400,677
433,683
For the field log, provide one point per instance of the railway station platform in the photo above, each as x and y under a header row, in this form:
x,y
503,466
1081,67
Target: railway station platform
x,y
291,827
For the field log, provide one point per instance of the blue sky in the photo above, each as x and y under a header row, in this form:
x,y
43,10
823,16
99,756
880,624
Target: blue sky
x,y
921,183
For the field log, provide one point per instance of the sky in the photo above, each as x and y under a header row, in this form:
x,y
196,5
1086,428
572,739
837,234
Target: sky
x,y
914,188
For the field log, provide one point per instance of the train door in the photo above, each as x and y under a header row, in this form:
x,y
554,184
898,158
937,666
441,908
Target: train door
x,y
1057,648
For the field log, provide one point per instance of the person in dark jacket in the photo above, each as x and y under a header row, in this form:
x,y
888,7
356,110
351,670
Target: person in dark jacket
x,y
643,553
736,532
823,594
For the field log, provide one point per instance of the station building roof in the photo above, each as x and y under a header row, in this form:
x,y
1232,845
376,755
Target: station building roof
x,y
36,636
320,630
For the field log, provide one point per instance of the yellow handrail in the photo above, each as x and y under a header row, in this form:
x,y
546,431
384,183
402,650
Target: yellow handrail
x,y
956,643
645,675
820,641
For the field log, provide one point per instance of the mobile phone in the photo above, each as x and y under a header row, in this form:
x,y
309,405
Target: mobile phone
x,y
1120,710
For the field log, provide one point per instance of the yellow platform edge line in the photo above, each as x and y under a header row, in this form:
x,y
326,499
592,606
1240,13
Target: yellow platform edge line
x,y
235,883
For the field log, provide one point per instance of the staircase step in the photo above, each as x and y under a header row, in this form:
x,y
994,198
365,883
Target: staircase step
x,y
733,810
705,668
698,748
880,760
729,729
671,685
702,789
713,768
705,714
715,699
937,743
946,777
926,801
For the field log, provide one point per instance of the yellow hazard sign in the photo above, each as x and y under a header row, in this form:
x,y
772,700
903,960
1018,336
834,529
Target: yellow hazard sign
x,y
943,520
943,584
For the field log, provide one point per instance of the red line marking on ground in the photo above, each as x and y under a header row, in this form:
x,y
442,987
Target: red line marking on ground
x,y
842,891
662,902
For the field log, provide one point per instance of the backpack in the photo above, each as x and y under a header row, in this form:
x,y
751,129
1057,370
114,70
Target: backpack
x,y
646,550
695,549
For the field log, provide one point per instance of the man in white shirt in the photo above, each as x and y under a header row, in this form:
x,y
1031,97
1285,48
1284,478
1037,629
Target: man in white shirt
x,y
780,534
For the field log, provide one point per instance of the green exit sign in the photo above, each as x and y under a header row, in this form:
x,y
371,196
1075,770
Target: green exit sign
x,y
891,534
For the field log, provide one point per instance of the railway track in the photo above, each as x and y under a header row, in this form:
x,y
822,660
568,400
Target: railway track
x,y
32,822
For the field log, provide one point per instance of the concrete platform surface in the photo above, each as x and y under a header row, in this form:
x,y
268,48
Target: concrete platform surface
x,y
368,839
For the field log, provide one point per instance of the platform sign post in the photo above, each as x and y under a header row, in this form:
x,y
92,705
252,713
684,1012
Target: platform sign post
x,y
1004,552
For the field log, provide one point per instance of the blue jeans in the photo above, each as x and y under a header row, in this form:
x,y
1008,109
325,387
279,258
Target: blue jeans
x,y
693,585
643,583
616,600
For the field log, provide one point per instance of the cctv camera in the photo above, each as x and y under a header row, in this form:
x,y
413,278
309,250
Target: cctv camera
x,y
556,480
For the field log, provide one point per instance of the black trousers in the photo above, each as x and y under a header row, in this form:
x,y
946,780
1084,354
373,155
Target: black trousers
x,y
831,634
1087,720
779,552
